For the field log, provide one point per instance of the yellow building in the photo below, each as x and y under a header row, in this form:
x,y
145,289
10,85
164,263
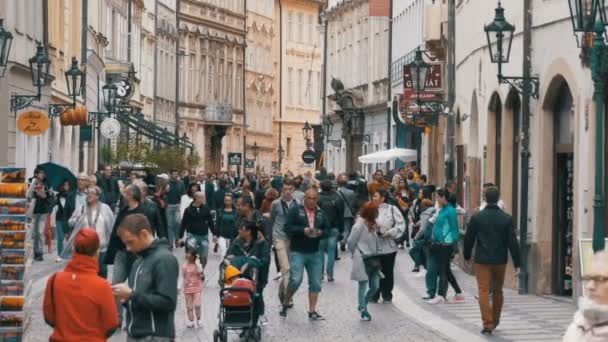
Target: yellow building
x,y
301,68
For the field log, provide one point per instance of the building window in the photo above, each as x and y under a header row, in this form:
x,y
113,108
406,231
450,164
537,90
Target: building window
x,y
300,28
288,151
290,26
290,86
311,35
300,85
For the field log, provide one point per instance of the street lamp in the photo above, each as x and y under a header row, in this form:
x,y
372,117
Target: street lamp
x,y
281,153
6,40
39,66
586,19
255,149
306,133
419,70
328,127
109,96
73,78
502,29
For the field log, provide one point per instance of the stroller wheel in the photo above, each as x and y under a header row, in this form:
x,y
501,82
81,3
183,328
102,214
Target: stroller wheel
x,y
224,337
216,336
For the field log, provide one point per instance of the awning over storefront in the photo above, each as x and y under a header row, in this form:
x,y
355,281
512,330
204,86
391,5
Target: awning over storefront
x,y
403,154
149,129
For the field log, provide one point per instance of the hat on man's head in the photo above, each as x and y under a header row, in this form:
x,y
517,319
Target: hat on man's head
x,y
86,241
163,176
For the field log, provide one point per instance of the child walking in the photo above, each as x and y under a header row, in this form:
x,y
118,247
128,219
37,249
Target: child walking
x,y
193,286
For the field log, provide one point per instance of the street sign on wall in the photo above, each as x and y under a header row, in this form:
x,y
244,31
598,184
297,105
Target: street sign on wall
x,y
235,159
249,163
33,123
412,109
309,156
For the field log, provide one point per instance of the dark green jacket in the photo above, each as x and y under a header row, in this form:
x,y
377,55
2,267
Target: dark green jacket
x,y
493,233
153,279
256,255
297,221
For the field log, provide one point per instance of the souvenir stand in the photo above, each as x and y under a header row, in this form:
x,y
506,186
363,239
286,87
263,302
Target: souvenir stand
x,y
14,257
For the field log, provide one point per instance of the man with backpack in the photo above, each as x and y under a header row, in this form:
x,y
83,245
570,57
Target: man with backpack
x,y
333,208
348,197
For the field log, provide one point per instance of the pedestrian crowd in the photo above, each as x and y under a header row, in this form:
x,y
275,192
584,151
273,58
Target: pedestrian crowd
x,y
302,222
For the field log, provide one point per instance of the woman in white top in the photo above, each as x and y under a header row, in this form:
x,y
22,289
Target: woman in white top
x,y
95,215
188,197
391,226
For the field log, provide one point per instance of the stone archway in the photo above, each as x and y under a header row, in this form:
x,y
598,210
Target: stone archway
x,y
494,140
510,153
474,166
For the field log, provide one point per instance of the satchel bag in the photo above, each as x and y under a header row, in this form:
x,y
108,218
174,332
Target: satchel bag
x,y
435,246
372,263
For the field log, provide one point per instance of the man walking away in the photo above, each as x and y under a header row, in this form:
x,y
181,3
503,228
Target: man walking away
x,y
151,291
348,197
78,304
278,216
109,185
492,232
306,226
151,210
174,196
333,208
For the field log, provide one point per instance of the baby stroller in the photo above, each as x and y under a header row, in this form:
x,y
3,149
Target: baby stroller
x,y
238,300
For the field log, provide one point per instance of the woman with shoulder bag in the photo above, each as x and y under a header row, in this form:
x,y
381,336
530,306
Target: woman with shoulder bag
x,y
363,243
390,227
41,203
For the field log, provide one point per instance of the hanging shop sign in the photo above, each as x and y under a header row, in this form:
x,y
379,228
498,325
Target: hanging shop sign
x,y
110,128
235,159
413,104
33,123
249,163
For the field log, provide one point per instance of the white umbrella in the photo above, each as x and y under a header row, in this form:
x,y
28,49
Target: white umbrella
x,y
403,154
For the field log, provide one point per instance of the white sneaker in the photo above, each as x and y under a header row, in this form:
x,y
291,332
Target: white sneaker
x,y
420,274
199,323
277,276
190,325
457,299
263,320
58,259
436,300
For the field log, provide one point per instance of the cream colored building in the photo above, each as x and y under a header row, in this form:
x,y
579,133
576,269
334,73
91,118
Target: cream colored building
x,y
301,50
357,55
261,77
212,39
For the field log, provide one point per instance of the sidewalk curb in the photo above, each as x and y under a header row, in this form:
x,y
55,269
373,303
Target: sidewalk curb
x,y
444,327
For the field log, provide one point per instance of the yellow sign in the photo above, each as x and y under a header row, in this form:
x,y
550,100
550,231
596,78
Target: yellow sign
x,y
33,123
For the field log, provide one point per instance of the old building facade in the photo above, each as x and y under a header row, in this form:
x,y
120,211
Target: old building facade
x,y
212,42
261,77
302,57
357,55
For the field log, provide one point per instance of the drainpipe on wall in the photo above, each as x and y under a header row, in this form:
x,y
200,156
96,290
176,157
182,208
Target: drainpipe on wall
x,y
324,99
83,62
177,10
244,90
389,89
280,82
451,66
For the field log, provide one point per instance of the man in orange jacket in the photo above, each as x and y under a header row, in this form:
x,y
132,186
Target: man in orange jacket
x,y
79,304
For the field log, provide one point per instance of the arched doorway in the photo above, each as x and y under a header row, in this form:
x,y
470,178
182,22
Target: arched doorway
x,y
473,166
563,206
494,141
510,153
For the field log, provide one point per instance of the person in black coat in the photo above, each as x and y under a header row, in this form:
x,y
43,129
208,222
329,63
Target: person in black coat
x,y
109,185
198,222
66,204
151,210
492,232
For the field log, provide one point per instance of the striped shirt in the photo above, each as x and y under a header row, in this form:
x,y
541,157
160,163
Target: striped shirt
x,y
192,278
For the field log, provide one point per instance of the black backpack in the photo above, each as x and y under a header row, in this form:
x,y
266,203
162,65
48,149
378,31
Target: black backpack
x,y
330,208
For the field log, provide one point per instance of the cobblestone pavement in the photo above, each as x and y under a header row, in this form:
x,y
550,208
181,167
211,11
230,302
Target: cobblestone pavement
x,y
408,318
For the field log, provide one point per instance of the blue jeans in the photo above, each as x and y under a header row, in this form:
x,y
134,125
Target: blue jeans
x,y
374,285
313,264
172,222
103,268
329,246
38,222
61,227
202,244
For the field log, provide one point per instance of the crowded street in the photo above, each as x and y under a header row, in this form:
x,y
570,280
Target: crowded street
x,y
303,170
